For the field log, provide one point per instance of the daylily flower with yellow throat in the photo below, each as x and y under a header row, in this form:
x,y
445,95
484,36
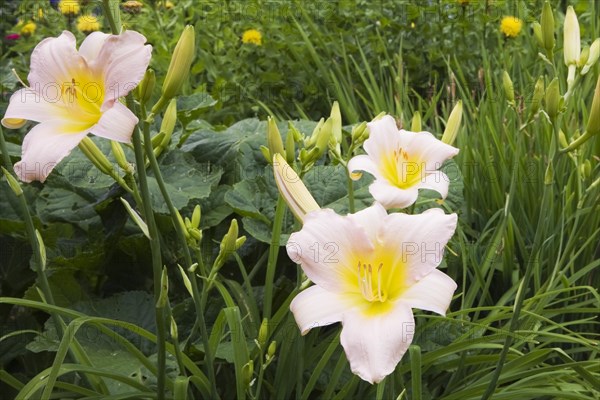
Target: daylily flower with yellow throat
x,y
370,269
72,92
402,162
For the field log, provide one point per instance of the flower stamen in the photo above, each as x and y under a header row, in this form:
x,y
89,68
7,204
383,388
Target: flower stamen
x,y
366,284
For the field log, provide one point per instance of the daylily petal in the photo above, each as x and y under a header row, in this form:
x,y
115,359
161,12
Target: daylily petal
x,y
375,344
418,240
383,137
329,260
391,196
437,181
315,307
432,293
429,150
51,61
116,123
30,105
43,147
91,46
124,60
370,219
362,163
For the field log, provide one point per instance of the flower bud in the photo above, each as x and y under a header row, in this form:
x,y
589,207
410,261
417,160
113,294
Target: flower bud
x,y
42,249
274,138
186,281
290,145
562,139
168,123
593,56
146,86
13,123
174,331
263,332
453,124
196,216
119,155
572,40
593,125
95,155
248,373
537,32
509,90
291,187
163,296
182,225
536,98
12,182
552,99
358,133
336,124
586,169
179,68
272,349
415,124
310,142
547,24
583,57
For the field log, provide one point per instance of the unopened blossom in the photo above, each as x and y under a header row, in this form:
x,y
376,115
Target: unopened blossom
x,y
75,92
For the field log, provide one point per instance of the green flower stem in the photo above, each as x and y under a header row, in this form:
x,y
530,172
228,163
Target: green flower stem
x,y
110,17
351,208
156,255
273,253
42,280
186,254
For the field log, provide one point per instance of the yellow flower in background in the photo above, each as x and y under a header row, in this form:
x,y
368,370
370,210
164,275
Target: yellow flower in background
x,y
252,36
88,23
511,26
69,7
132,6
28,29
169,5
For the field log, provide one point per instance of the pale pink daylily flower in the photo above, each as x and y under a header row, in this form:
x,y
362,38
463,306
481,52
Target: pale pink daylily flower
x,y
402,162
370,269
75,92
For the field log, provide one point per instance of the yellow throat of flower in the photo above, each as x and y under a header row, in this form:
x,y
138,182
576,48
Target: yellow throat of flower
x,y
83,95
401,170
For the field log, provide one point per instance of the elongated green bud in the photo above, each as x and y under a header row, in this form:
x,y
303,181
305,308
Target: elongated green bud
x,y
146,86
594,54
179,68
263,332
248,373
593,125
360,133
274,138
583,57
509,90
291,187
552,99
290,146
336,123
119,155
272,349
453,124
95,155
174,330
536,98
163,297
537,32
168,123
196,216
186,281
12,182
415,124
547,24
572,39
42,248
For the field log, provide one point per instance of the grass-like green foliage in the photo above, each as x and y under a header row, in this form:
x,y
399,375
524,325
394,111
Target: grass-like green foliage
x,y
527,240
